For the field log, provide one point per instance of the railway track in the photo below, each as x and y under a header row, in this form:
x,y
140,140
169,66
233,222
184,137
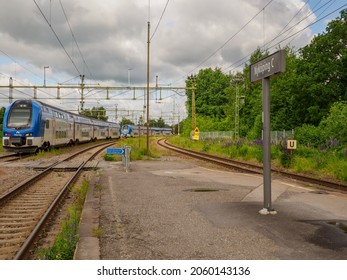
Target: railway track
x,y
252,168
26,207
13,157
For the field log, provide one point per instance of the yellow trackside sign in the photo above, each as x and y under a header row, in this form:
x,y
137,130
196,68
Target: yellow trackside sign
x,y
196,134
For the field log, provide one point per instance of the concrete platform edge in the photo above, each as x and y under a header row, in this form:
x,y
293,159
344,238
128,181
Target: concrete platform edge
x,y
88,246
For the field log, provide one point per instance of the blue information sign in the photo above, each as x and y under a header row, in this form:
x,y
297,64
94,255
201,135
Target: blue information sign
x,y
115,151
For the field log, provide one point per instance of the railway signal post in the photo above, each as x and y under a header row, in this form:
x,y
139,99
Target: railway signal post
x,y
263,70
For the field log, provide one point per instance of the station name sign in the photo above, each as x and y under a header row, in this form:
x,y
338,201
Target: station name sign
x,y
269,66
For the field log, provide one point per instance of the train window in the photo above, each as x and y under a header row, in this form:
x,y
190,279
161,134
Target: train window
x,y
19,118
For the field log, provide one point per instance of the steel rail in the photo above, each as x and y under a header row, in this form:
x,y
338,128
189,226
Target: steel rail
x,y
253,168
23,251
16,190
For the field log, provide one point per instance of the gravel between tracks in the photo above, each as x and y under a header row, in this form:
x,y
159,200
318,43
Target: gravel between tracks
x,y
9,177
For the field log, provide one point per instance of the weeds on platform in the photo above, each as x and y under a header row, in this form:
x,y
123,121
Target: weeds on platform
x,y
65,242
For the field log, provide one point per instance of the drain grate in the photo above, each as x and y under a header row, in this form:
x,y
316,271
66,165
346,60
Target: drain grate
x,y
202,190
339,225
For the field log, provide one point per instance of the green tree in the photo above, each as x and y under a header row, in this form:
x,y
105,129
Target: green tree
x,y
158,123
322,72
284,114
2,112
334,126
252,92
126,121
210,98
96,113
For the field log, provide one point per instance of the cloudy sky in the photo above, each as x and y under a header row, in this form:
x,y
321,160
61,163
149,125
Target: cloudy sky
x,y
106,40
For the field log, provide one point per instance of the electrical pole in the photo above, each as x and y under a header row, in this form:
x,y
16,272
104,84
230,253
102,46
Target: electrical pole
x,y
148,54
129,77
193,79
10,94
237,108
82,93
44,75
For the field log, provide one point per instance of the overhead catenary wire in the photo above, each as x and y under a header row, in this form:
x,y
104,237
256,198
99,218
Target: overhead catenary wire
x,y
21,65
236,65
331,3
283,31
300,21
284,28
74,38
57,37
161,17
226,42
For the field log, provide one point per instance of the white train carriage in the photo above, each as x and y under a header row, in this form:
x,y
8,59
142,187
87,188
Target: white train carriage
x,y
155,131
114,130
83,129
166,131
58,127
135,131
100,130
30,125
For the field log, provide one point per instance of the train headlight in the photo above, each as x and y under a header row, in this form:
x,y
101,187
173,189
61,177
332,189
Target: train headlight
x,y
28,134
7,134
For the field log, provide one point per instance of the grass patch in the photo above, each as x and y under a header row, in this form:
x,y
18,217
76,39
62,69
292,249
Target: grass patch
x,y
96,232
138,149
326,163
65,242
109,157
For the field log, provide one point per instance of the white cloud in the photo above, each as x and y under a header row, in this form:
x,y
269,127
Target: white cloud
x,y
112,35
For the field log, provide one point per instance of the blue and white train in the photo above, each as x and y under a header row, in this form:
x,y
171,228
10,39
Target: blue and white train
x,y
30,125
135,131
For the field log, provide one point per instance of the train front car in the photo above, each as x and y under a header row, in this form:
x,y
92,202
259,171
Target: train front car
x,y
126,131
22,130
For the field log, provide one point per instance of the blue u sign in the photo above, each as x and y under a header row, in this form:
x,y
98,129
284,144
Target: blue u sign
x,y
115,151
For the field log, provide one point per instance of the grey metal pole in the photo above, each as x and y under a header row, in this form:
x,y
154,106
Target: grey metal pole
x,y
10,93
266,144
148,78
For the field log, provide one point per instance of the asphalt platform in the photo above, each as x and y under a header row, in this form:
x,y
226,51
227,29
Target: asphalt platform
x,y
171,208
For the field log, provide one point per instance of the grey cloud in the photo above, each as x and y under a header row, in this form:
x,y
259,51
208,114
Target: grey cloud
x,y
112,35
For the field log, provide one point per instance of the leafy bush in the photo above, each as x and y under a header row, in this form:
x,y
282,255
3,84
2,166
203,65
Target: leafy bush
x,y
335,125
309,135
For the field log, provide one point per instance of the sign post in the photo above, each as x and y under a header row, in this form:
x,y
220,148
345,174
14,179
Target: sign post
x,y
124,152
263,70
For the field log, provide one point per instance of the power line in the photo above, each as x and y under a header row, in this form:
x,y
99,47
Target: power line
x,y
162,14
55,34
73,36
21,65
296,24
333,1
227,41
282,31
286,38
